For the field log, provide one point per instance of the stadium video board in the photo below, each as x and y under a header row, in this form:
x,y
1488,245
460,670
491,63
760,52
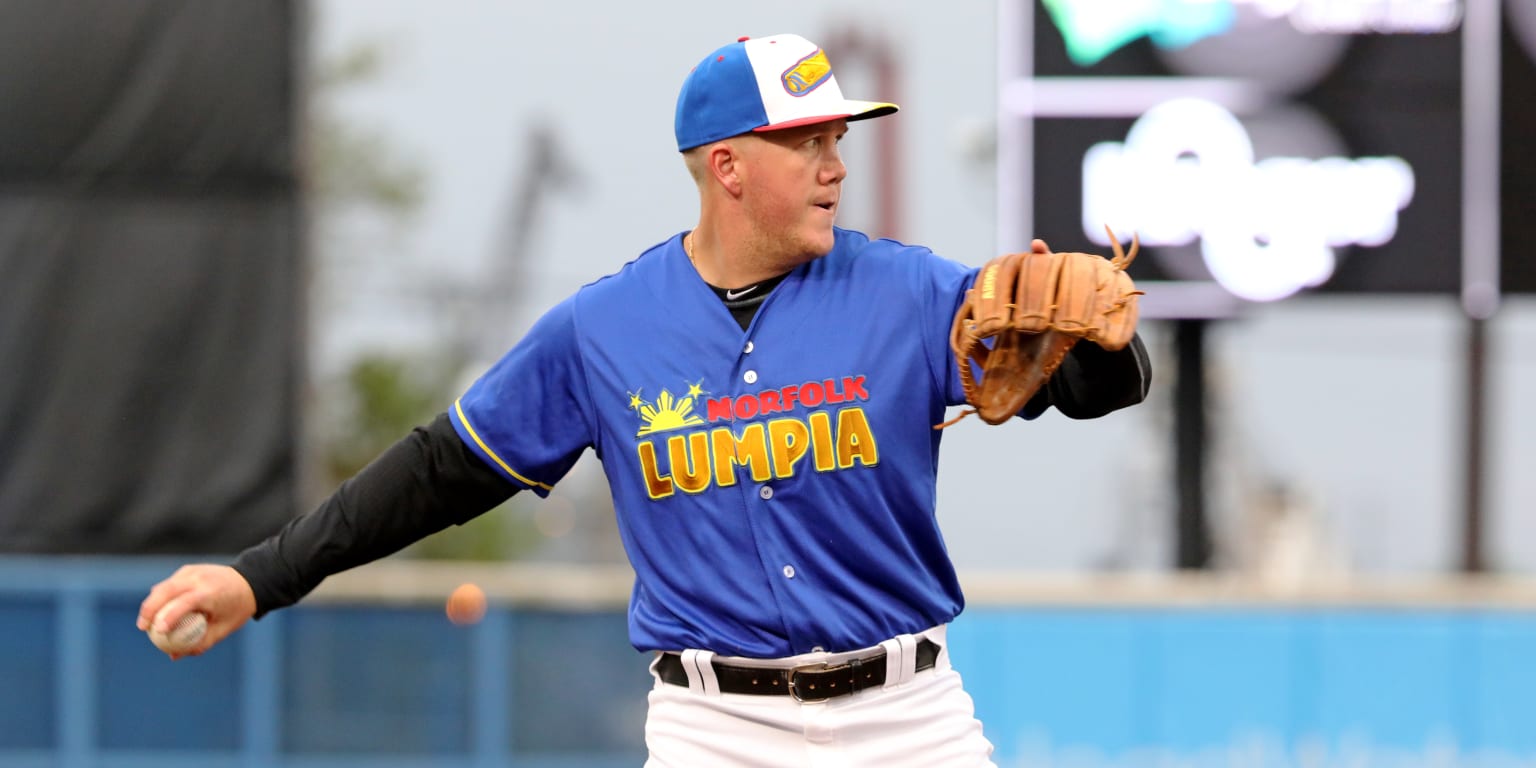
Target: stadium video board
x,y
1258,148
1517,148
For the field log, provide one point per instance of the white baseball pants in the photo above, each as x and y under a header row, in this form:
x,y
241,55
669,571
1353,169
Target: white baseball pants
x,y
917,719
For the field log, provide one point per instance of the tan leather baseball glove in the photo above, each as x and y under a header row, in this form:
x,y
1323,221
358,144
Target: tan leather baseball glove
x,y
1023,315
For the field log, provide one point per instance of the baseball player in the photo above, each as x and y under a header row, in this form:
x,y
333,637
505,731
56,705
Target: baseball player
x,y
762,392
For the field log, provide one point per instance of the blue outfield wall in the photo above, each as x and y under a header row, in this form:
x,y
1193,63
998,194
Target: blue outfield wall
x,y
1313,687
362,685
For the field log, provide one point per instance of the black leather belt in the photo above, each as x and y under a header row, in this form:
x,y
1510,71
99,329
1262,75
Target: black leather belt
x,y
811,682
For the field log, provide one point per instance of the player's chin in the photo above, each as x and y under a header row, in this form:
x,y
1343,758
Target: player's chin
x,y
820,239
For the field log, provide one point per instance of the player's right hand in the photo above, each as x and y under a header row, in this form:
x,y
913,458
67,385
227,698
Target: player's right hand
x,y
219,591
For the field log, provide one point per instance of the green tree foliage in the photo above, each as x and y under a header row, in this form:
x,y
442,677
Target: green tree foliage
x,y
381,396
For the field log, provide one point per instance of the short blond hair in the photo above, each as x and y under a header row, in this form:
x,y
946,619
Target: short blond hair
x,y
694,159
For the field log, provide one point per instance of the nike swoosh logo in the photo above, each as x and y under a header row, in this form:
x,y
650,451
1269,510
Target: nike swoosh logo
x,y
733,295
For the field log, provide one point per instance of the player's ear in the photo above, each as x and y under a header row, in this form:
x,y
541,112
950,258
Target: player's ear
x,y
725,165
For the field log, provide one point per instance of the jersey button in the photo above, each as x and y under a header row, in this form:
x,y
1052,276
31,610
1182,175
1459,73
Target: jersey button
x,y
747,350
765,493
749,377
789,571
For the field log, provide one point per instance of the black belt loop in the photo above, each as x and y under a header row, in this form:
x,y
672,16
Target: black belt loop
x,y
808,682
856,667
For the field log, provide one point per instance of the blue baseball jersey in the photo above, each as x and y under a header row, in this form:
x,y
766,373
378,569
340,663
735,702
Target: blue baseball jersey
x,y
775,487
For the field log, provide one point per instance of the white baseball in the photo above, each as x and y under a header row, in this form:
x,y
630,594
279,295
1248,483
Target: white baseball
x,y
182,637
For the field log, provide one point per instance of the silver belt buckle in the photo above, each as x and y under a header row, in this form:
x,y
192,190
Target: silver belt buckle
x,y
794,689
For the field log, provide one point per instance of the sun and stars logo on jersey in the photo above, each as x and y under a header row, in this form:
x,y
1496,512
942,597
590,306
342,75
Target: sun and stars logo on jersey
x,y
767,433
667,413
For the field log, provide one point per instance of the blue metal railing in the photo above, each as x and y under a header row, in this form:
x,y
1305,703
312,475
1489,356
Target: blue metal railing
x,y
317,686
355,683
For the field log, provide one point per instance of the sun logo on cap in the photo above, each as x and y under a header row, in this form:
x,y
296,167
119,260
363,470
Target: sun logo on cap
x,y
807,74
668,412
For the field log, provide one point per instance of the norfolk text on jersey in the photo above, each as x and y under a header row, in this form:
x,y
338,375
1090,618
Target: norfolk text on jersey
x,y
766,449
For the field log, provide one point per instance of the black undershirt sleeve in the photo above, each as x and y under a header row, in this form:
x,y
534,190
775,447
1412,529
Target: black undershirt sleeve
x,y
419,486
1093,381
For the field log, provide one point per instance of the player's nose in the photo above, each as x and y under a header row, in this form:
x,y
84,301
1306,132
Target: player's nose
x,y
833,170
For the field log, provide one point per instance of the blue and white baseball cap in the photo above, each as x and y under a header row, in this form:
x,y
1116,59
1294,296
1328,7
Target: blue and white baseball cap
x,y
763,84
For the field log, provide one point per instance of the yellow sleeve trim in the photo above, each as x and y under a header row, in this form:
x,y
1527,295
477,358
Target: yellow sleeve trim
x,y
458,407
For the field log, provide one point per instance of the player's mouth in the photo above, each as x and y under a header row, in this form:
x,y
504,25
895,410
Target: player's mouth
x,y
829,207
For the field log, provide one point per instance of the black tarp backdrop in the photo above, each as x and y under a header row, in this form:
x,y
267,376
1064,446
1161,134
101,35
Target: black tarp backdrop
x,y
150,274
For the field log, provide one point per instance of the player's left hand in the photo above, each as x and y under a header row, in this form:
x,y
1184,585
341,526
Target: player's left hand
x,y
1024,314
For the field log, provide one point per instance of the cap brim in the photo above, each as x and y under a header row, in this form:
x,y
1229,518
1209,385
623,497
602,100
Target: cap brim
x,y
857,110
